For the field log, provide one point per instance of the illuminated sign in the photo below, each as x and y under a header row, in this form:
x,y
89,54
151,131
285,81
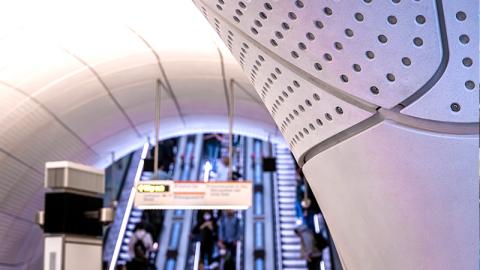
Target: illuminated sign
x,y
193,195
153,188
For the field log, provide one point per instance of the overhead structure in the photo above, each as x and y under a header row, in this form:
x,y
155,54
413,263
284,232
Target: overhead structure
x,y
378,101
76,81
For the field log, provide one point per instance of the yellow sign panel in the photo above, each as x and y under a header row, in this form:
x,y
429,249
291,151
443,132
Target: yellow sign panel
x,y
193,195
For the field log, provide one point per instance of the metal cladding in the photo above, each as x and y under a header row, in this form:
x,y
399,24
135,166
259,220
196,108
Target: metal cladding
x,y
378,100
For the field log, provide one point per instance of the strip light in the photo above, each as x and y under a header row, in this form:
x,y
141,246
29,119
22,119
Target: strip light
x,y
128,210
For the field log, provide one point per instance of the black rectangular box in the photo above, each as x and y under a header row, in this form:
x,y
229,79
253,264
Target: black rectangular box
x,y
269,164
69,213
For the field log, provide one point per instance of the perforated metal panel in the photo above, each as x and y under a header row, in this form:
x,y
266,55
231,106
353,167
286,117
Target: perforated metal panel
x,y
379,51
454,97
303,109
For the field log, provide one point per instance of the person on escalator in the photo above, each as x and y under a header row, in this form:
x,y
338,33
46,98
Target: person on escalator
x,y
310,250
139,248
230,232
222,169
205,231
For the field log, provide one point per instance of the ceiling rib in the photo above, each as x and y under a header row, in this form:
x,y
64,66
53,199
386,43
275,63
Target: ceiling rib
x,y
255,99
165,82
107,89
10,155
51,114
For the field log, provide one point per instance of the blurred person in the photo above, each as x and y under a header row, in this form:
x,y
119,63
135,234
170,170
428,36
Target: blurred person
x,y
222,169
230,232
310,251
139,248
205,231
212,145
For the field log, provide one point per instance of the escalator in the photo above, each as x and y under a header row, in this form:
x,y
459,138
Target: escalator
x,y
175,234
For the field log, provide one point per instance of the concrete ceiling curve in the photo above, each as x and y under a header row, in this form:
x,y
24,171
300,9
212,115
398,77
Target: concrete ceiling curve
x,y
77,82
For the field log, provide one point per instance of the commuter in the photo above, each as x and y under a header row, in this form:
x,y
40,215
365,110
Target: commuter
x,y
222,169
139,249
162,173
230,232
212,146
205,231
310,252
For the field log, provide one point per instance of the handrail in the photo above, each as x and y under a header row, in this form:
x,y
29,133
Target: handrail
x,y
128,210
238,255
196,262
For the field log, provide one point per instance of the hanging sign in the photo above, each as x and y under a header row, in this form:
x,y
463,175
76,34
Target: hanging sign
x,y
161,194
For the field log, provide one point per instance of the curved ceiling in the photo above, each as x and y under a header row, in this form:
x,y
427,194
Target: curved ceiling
x,y
77,82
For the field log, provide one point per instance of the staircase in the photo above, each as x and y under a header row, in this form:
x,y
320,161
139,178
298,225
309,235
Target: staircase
x,y
288,246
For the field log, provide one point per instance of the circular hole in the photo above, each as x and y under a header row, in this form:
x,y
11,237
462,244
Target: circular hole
x,y
239,12
308,102
328,116
339,110
294,54
318,24
338,45
310,36
299,4
467,61
311,126
328,11
392,19
316,97
254,30
327,57
464,39
281,98
270,81
278,34
357,67
268,6
461,16
382,39
367,1
359,17
455,107
390,77
301,134
469,85
374,90
344,78
302,46
406,61
301,108
285,26
291,116
284,94
242,5
278,103
221,2
296,136
370,54
318,66
255,67
261,58
420,19
245,45
258,23
418,41
278,71
219,7
262,15
273,76
235,18
292,16
319,122
305,131
273,42
396,1
296,84
349,32
290,89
